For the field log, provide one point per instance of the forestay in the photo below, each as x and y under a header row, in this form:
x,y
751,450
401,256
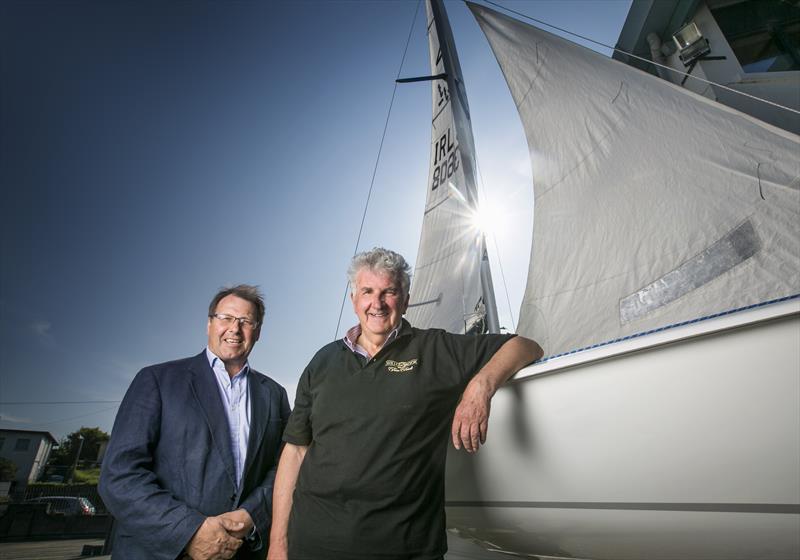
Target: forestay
x,y
451,287
652,205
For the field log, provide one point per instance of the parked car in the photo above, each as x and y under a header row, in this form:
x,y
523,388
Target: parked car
x,y
66,505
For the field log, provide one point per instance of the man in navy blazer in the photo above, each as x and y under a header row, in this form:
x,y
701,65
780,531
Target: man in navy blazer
x,y
191,463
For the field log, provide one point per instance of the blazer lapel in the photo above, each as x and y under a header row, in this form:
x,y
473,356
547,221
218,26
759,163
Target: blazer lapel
x,y
206,391
260,403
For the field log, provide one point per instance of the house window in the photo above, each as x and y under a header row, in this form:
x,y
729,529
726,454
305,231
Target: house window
x,y
22,444
764,34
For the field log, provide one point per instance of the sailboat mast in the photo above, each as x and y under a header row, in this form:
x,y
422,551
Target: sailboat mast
x,y
461,121
492,320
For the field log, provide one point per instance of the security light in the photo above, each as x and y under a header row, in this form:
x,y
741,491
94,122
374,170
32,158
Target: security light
x,y
691,43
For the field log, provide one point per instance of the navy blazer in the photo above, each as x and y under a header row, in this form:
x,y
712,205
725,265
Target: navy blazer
x,y
169,463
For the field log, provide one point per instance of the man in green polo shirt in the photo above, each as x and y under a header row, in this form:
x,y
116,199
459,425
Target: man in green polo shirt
x,y
362,474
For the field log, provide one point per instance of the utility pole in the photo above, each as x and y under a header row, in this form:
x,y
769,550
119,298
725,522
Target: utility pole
x,y
77,455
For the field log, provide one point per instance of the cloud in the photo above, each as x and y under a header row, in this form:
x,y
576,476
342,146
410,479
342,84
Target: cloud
x,y
13,419
42,328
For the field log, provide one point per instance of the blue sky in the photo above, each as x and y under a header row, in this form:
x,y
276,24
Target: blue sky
x,y
152,152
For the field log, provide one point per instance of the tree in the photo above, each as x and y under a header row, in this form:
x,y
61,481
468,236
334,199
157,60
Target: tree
x,y
8,470
65,453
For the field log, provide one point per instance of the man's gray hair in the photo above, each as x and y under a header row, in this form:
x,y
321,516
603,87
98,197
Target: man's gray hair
x,y
380,259
244,291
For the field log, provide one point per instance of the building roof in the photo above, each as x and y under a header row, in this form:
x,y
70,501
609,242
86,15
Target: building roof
x,y
46,434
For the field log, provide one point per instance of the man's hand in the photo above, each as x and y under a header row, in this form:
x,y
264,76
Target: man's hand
x,y
240,516
214,540
471,419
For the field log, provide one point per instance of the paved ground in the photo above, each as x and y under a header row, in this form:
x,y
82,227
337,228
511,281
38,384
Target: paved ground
x,y
71,550
46,550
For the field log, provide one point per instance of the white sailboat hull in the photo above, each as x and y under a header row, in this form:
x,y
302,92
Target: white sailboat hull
x,y
687,449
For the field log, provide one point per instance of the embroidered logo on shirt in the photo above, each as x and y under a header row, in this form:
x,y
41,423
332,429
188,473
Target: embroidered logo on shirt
x,y
401,367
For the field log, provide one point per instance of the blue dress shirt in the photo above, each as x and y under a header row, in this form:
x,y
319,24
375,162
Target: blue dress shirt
x,y
236,402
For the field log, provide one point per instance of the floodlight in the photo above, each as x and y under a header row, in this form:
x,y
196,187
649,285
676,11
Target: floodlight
x,y
691,43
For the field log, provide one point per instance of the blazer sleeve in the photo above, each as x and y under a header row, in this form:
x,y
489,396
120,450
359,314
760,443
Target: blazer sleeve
x,y
128,484
259,502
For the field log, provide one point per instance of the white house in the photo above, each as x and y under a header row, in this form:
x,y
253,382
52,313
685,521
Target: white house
x,y
27,449
748,46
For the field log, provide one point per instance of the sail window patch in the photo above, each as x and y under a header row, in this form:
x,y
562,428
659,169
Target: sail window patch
x,y
734,248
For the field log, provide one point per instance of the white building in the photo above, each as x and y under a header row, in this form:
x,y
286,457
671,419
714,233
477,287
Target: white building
x,y
27,449
750,46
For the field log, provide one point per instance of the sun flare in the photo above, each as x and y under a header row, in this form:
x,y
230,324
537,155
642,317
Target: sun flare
x,y
484,218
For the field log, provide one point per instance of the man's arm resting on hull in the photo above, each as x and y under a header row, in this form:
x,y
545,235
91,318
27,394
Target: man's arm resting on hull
x,y
471,419
286,479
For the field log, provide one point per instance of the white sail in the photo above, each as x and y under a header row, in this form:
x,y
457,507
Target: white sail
x,y
653,206
451,287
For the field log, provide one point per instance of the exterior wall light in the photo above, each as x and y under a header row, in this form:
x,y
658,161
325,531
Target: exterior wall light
x,y
691,43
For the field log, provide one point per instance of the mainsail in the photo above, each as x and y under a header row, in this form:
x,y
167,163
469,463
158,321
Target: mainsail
x,y
653,206
452,286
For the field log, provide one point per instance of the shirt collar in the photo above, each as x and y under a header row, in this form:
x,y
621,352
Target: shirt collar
x,y
351,339
215,362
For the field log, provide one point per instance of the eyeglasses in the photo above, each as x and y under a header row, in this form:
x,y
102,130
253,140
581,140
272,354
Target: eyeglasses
x,y
228,320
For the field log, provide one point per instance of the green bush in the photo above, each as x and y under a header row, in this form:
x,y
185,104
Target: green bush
x,y
8,470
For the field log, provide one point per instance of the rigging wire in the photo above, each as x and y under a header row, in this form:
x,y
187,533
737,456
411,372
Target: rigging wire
x,y
646,60
377,160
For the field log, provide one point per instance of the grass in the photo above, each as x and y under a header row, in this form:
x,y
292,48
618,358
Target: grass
x,y
88,476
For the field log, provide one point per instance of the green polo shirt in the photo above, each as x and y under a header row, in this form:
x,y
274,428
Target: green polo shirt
x,y
371,485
